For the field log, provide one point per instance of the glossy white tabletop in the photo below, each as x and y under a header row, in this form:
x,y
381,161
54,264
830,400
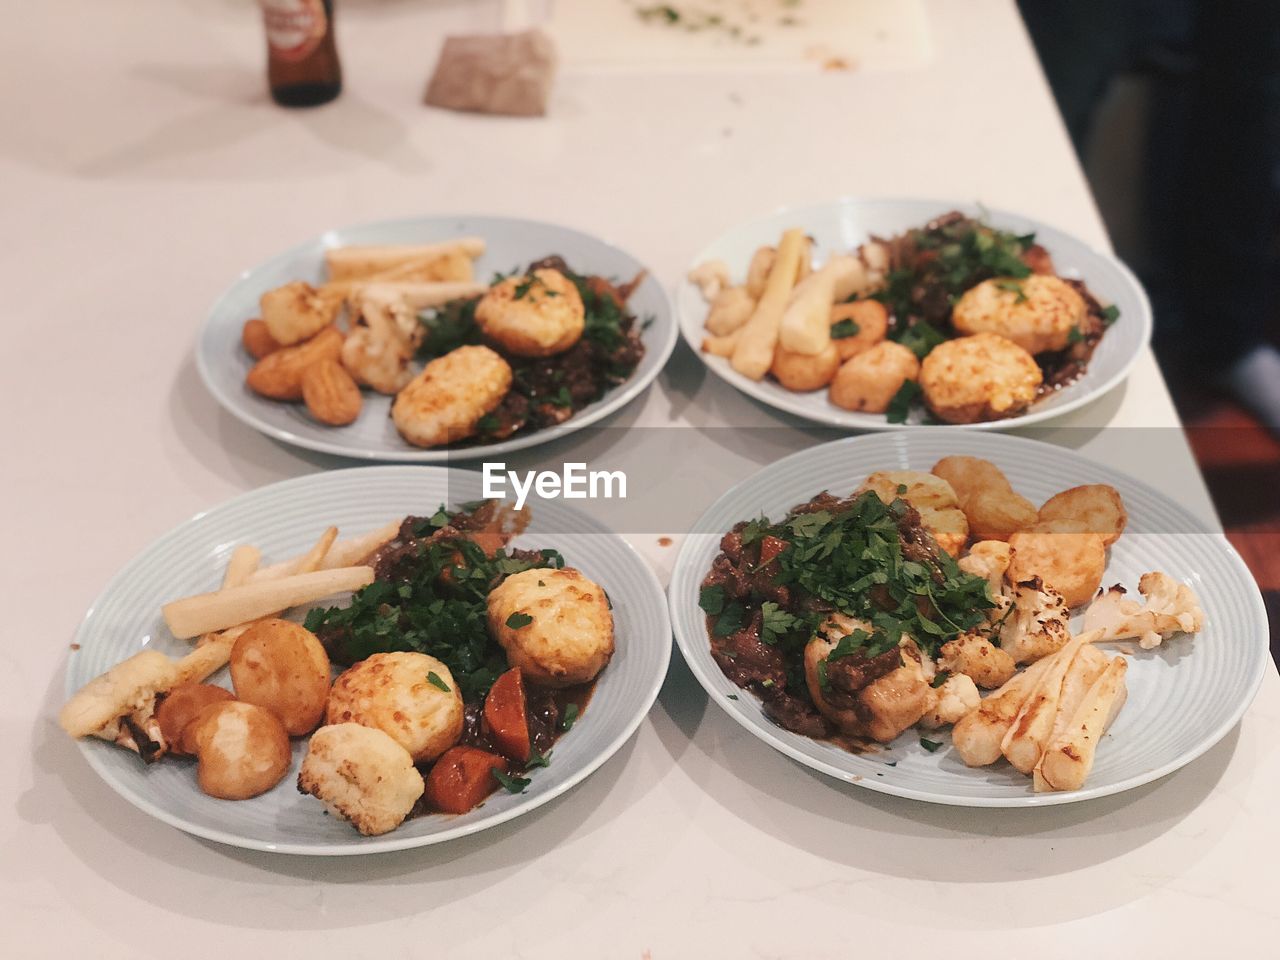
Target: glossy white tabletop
x,y
141,168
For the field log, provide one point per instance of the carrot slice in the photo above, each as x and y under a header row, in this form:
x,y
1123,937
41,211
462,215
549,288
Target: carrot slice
x,y
504,713
461,778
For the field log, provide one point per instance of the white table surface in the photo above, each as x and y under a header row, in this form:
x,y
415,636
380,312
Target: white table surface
x,y
141,167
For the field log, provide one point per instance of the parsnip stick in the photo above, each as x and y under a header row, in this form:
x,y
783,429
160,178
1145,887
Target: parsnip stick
x,y
730,311
210,655
312,559
977,735
753,354
207,612
1069,758
721,346
343,553
806,322
350,263
419,295
1028,736
244,561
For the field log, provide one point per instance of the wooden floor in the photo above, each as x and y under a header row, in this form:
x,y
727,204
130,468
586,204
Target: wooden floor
x,y
1241,463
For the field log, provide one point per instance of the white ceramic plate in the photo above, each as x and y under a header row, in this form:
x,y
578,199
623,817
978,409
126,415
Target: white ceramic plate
x,y
842,225
283,520
511,243
1183,697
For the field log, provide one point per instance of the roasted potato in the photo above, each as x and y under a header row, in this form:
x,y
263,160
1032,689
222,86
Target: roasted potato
x,y
1037,313
257,339
993,508
278,375
1097,506
869,316
978,378
1062,553
362,774
869,380
803,372
243,750
280,665
934,499
443,403
538,315
555,625
395,693
183,704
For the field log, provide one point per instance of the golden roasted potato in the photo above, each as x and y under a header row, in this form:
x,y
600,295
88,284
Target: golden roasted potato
x,y
243,750
257,339
869,380
993,508
532,316
296,312
1037,313
330,393
395,693
869,316
934,499
281,666
978,378
1062,553
802,372
555,625
1096,505
183,704
278,375
443,403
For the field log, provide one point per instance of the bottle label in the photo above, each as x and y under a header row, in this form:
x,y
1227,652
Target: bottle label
x,y
294,27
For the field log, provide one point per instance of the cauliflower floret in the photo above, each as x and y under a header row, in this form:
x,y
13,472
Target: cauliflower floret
x,y
710,277
956,697
119,706
1170,607
977,657
1038,624
362,775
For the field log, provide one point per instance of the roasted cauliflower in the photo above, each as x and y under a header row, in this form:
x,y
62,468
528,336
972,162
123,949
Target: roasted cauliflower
x,y
1171,607
1038,624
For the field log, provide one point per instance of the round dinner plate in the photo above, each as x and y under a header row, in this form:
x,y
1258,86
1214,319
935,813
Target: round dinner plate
x,y
284,519
1183,696
840,226
509,244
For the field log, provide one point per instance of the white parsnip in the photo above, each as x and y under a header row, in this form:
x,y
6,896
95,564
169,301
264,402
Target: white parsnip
x,y
312,559
1031,729
753,354
354,262
1069,758
343,553
806,323
244,561
207,612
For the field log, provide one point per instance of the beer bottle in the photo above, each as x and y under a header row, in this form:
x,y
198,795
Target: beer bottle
x,y
302,59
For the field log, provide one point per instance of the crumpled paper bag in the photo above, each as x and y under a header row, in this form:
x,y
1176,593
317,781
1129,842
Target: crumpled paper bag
x,y
507,74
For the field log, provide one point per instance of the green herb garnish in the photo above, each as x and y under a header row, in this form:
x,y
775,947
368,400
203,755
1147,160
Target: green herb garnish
x,y
930,745
1110,314
711,599
1012,286
537,759
433,678
518,620
513,783
902,402
843,329
570,716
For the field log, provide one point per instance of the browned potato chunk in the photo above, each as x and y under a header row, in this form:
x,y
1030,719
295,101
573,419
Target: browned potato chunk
x,y
978,378
183,704
872,322
869,380
243,750
932,497
1096,505
1062,553
281,666
993,508
802,372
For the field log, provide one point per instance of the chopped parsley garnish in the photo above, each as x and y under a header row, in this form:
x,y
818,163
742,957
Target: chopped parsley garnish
x,y
537,759
775,622
448,327
570,716
433,678
1110,314
1075,335
1012,286
518,620
711,599
844,328
731,696
939,679
731,619
513,783
930,745
436,604
902,402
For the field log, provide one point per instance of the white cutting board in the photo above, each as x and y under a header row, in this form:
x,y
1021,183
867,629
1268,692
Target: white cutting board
x,y
770,34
